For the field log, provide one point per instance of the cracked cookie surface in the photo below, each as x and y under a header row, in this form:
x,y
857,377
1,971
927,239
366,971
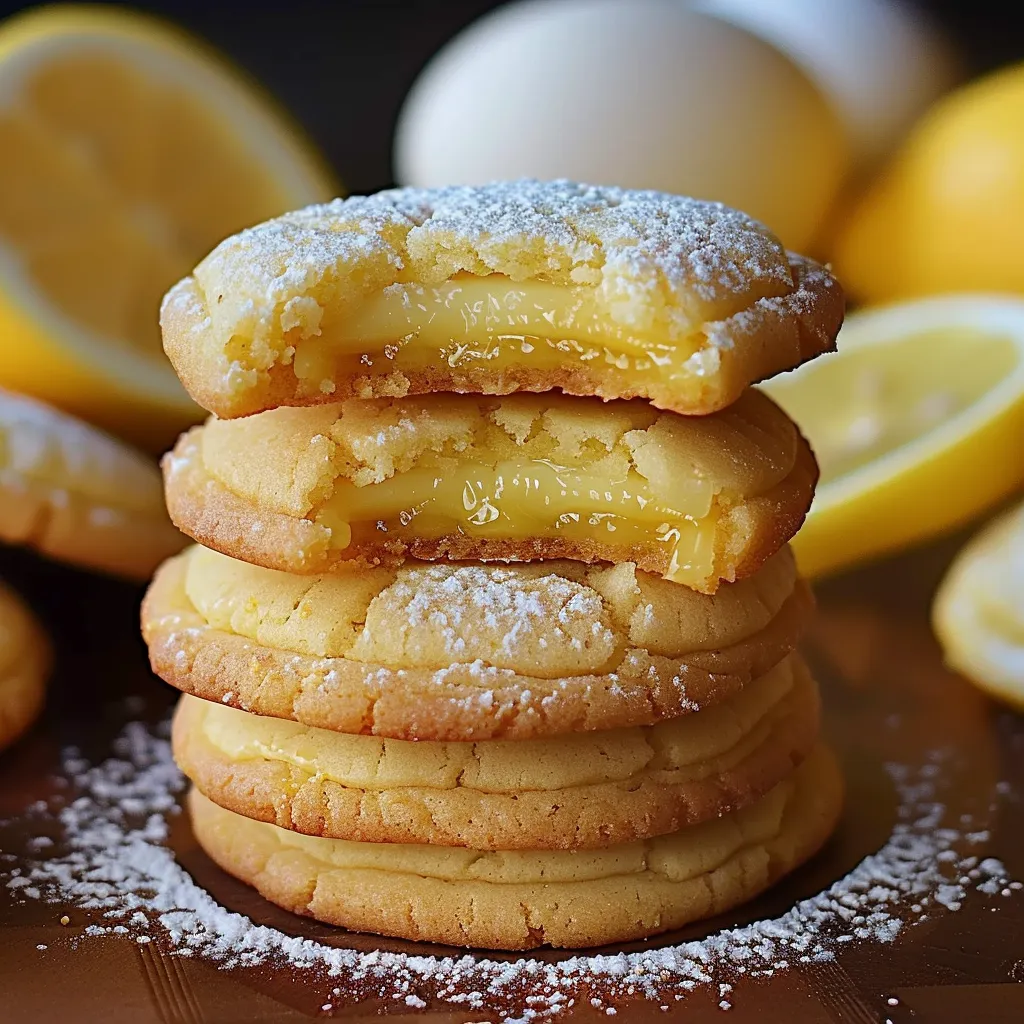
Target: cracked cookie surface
x,y
417,653
575,791
524,899
512,286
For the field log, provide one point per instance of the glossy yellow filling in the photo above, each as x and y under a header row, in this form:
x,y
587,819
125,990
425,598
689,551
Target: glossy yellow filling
x,y
491,322
534,499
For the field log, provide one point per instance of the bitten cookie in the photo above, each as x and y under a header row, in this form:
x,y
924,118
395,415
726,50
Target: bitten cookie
x,y
78,495
694,499
512,286
575,791
24,665
466,651
523,899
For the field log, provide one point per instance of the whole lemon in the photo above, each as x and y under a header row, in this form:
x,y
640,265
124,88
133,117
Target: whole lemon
x,y
948,213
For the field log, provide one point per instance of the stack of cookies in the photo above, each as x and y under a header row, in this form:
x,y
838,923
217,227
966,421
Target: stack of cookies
x,y
470,655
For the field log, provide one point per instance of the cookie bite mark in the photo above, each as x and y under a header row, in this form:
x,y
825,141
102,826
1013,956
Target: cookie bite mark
x,y
696,500
515,286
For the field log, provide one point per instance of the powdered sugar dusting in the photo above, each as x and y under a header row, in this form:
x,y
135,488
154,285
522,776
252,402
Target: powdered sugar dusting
x,y
577,228
471,606
41,446
655,262
113,860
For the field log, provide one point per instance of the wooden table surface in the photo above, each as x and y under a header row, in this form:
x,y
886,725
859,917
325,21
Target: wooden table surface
x,y
887,698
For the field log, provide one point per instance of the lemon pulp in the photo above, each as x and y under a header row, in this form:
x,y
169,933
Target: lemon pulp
x,y
874,400
98,193
978,613
127,151
917,422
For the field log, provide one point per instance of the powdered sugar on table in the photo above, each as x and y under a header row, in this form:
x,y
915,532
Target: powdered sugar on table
x,y
112,860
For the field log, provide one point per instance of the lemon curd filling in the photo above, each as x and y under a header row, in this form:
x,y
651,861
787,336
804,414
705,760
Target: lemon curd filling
x,y
530,499
490,321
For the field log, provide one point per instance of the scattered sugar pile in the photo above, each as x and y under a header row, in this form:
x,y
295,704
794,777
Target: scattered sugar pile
x,y
109,858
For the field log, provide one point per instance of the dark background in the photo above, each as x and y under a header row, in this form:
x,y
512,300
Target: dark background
x,y
343,66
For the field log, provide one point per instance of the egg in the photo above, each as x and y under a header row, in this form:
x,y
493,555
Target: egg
x,y
880,62
636,93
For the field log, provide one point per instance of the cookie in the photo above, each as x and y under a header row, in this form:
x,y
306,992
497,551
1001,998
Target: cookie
x,y
521,899
512,286
24,665
694,499
573,791
466,651
78,495
979,609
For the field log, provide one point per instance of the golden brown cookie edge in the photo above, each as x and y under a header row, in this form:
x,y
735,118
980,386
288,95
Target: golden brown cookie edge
x,y
511,916
353,697
214,516
23,678
758,342
576,817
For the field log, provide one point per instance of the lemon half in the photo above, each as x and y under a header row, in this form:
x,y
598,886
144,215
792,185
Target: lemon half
x,y
917,422
979,610
127,151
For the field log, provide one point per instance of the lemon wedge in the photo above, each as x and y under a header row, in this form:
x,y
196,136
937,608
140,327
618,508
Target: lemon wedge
x,y
917,422
979,609
127,151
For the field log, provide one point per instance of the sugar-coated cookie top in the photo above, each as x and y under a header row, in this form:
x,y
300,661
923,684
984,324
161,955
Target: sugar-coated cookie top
x,y
659,261
702,299
549,619
78,495
48,448
650,250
